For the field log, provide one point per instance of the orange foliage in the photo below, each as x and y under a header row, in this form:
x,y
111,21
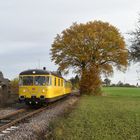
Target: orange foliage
x,y
91,49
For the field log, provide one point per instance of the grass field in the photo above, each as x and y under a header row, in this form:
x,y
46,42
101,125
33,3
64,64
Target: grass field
x,y
112,117
122,91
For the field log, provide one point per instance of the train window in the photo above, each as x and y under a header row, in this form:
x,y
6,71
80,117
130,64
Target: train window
x,y
55,82
27,80
62,82
40,80
58,82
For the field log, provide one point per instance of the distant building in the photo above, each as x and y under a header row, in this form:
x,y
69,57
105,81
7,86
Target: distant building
x,y
3,81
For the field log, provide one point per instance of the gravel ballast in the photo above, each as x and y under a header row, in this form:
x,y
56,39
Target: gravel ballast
x,y
11,108
37,125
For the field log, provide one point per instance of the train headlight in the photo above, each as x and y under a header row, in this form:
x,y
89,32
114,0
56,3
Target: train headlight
x,y
43,90
24,90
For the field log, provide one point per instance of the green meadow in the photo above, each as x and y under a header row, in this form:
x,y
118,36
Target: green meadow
x,y
114,116
122,91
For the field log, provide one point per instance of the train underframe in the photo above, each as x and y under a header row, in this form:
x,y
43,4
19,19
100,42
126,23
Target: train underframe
x,y
34,101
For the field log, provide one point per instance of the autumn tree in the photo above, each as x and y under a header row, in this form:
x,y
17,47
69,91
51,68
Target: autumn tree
x,y
14,85
75,82
91,49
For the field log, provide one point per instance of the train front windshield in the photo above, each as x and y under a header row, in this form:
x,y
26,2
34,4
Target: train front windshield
x,y
26,80
40,80
34,80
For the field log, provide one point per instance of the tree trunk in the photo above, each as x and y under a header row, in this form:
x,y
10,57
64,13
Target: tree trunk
x,y
90,81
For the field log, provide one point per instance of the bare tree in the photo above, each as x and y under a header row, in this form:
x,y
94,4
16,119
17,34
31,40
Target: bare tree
x,y
135,43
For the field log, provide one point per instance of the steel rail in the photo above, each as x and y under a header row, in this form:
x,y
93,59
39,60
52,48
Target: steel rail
x,y
27,115
12,114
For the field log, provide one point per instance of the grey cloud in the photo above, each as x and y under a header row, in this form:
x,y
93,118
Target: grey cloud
x,y
28,27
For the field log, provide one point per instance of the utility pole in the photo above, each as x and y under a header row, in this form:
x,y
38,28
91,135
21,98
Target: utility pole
x,y
138,73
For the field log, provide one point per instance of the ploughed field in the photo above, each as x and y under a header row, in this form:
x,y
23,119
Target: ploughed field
x,y
115,116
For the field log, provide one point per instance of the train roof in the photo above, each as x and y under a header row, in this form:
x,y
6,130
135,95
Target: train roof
x,y
40,72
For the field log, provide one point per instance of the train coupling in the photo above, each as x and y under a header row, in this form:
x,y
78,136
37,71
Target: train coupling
x,y
21,98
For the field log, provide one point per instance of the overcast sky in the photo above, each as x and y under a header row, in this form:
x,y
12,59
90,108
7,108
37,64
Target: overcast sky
x,y
28,27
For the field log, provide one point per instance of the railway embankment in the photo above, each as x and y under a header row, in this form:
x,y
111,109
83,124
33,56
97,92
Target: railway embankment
x,y
35,127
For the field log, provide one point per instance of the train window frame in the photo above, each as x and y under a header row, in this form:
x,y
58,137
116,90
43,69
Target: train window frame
x,y
20,81
47,80
50,80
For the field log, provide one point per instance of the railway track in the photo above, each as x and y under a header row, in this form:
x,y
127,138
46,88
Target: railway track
x,y
9,121
12,119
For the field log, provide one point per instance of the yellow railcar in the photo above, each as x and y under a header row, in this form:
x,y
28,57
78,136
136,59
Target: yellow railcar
x,y
40,86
